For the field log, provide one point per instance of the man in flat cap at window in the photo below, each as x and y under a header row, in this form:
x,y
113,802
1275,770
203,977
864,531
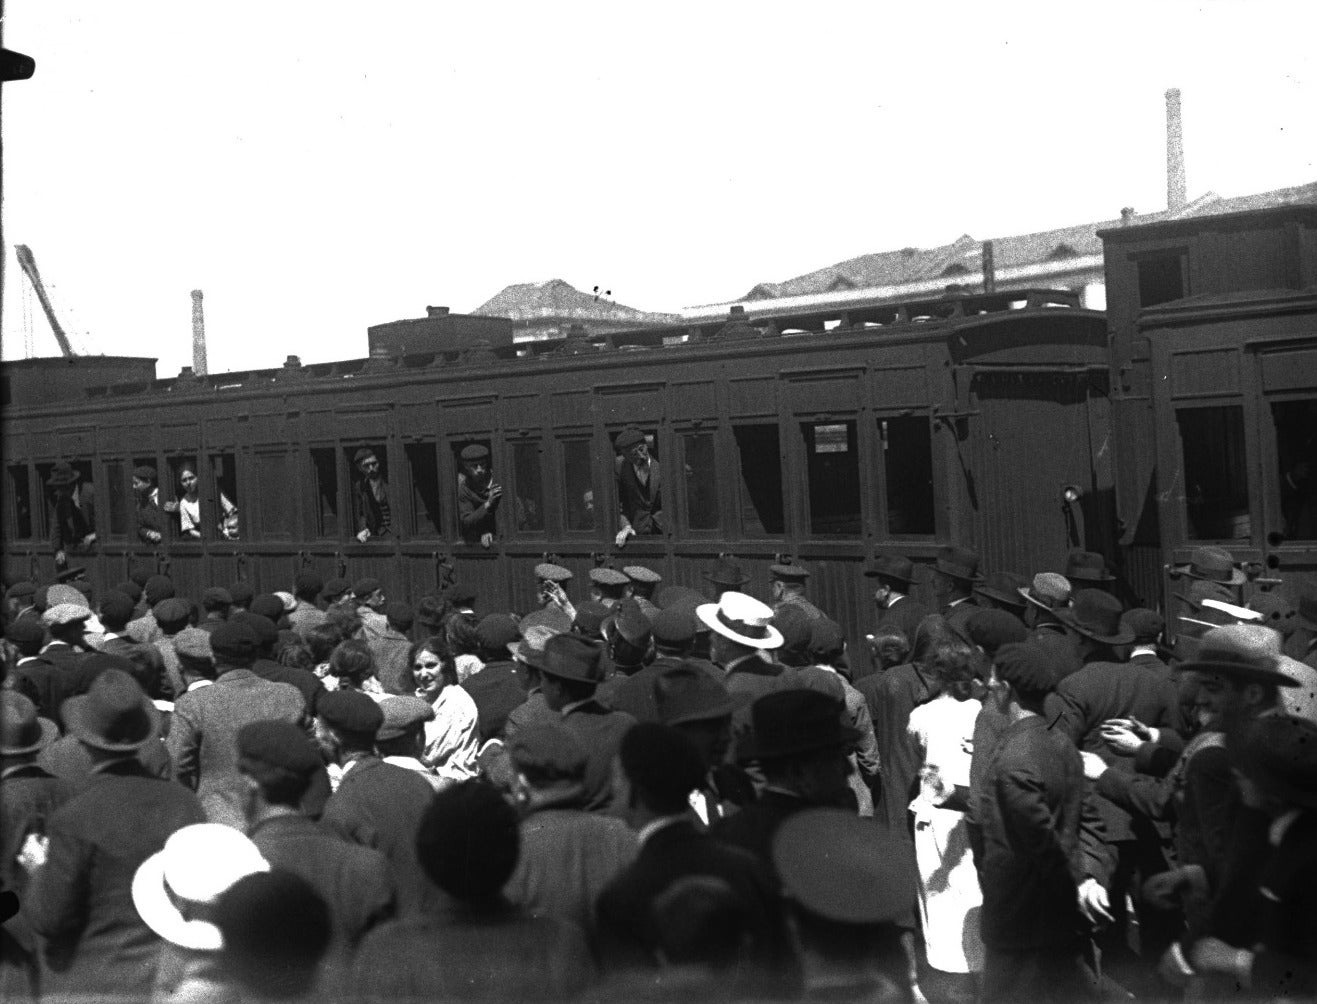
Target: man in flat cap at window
x,y
639,484
370,496
151,519
478,496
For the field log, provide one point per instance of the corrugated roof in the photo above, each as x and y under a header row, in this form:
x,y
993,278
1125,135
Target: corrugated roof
x,y
559,300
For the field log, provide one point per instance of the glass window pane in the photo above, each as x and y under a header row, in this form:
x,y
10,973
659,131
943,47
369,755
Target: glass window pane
x,y
578,481
117,490
423,465
1215,476
528,484
20,501
701,476
372,508
834,478
222,491
761,480
1296,446
323,460
908,469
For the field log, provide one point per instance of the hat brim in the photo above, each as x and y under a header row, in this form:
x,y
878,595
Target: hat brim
x,y
719,709
1075,576
708,615
751,749
160,914
718,580
873,573
559,674
1249,674
1068,618
958,575
1237,576
55,481
74,711
49,733
1010,599
1025,595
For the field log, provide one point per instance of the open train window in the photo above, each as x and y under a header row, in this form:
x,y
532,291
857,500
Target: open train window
x,y
1161,278
578,486
47,510
1296,460
908,473
222,492
274,499
1215,473
117,497
323,463
423,467
372,498
20,501
760,465
527,486
181,475
474,475
833,469
700,476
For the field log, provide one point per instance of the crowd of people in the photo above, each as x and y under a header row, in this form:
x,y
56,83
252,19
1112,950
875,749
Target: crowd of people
x,y
658,792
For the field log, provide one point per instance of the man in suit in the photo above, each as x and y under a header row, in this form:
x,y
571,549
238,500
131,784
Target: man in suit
x,y
956,573
73,525
742,636
787,582
639,487
894,576
370,496
151,519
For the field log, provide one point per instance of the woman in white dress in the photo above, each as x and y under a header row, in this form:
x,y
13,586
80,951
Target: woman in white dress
x,y
188,508
451,739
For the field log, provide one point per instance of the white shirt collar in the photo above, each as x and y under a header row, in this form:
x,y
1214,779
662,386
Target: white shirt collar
x,y
1281,825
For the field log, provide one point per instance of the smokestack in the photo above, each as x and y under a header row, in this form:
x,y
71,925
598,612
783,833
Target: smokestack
x,y
198,335
1175,184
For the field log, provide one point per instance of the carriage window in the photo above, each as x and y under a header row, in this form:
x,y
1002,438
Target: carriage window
x,y
181,478
222,493
1215,475
578,482
908,469
20,495
117,490
372,494
701,478
834,478
527,486
323,461
1296,448
423,465
1161,278
276,510
761,480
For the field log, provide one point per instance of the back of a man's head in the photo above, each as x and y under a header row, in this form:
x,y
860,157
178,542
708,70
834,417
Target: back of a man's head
x,y
468,841
663,766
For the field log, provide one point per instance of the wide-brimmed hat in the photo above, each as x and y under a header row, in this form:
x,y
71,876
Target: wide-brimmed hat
x,y
958,562
688,693
1005,588
1279,753
1048,591
114,715
795,721
741,618
1213,564
175,890
22,730
1087,566
62,474
1246,652
891,566
1096,615
726,572
572,657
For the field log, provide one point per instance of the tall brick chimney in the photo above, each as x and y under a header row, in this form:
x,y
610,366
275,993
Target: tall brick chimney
x,y
198,335
1175,184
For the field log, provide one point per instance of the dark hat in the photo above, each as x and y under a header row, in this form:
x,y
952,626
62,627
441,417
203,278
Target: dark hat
x,y
172,611
827,641
1245,652
659,760
130,589
157,588
261,626
496,632
400,615
362,454
683,596
958,563
674,628
1096,615
791,722
629,437
25,631
1277,611
629,621
194,643
842,867
363,588
1213,564
308,584
39,598
114,715
991,629
548,752
1087,566
610,578
267,605
277,744
1026,666
546,571
1146,625
144,471
474,452
62,474
1005,588
726,572
71,574
242,593
141,570
571,657
234,640
20,590
589,619
402,715
116,607
459,595
639,573
335,588
216,596
430,612
788,572
1279,753
891,566
22,730
350,711
687,693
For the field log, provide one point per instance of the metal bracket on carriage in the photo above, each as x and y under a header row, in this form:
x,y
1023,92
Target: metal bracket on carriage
x,y
162,563
444,573
240,562
33,566
304,559
341,563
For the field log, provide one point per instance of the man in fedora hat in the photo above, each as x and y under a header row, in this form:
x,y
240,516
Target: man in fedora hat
x,y
79,900
478,496
73,524
639,487
956,572
1211,564
787,582
894,577
725,575
370,496
1001,591
1088,570
742,636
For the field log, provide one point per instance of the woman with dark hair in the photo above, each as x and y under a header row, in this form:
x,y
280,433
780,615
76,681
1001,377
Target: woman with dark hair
x,y
463,642
352,667
451,739
188,508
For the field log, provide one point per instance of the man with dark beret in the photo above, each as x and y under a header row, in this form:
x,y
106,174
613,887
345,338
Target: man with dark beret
x,y
171,616
144,630
267,666
241,593
307,587
336,590
216,605
116,610
639,487
277,762
18,598
478,496
499,687
369,599
370,496
390,647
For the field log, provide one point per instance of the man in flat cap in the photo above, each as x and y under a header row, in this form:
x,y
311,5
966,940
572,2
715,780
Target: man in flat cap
x,y
478,496
306,614
370,496
151,520
73,524
787,582
639,487
216,603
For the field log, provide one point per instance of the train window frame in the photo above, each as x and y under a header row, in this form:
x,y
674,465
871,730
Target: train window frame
x,y
425,517
744,496
13,526
521,440
1281,482
456,443
87,476
215,484
317,453
1244,516
808,447
568,496
174,462
681,434
118,475
348,476
652,430
883,497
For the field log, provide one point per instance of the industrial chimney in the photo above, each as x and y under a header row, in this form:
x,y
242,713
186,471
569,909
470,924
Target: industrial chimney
x,y
1175,184
198,335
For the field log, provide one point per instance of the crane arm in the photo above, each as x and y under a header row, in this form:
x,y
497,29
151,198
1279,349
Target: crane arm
x,y
29,266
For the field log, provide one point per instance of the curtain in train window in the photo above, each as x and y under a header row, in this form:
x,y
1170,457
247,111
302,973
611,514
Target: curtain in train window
x,y
578,486
1296,466
908,473
323,462
1215,475
761,480
527,486
423,466
20,501
833,470
700,475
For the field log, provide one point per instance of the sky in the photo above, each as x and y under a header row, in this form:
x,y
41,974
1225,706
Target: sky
x,y
316,168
